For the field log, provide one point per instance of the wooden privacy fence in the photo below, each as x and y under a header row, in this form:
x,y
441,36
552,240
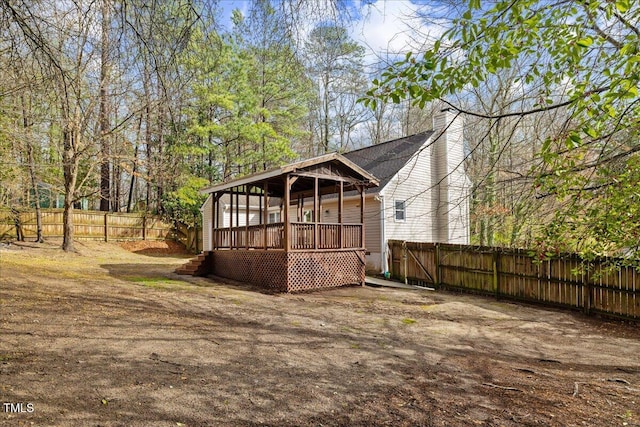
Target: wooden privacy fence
x,y
88,225
566,281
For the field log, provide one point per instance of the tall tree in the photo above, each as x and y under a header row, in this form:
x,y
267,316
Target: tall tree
x,y
335,62
103,118
278,77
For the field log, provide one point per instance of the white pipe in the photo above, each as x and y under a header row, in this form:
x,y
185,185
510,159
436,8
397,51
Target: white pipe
x,y
383,241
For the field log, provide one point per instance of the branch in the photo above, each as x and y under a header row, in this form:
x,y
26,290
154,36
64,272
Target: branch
x,y
528,112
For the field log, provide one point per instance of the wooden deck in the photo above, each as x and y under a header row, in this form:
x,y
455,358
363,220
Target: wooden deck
x,y
301,252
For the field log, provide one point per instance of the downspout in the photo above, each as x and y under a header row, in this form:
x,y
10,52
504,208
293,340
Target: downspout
x,y
203,214
383,241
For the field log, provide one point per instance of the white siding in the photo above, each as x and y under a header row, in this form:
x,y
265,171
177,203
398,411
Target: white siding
x,y
241,219
351,214
412,184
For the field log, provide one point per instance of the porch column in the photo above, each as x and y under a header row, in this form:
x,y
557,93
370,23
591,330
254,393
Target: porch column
x,y
362,240
214,220
237,216
246,212
340,231
287,220
316,214
260,216
231,218
265,214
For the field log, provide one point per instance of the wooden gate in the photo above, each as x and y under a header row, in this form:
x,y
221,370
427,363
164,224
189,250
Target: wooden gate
x,y
416,262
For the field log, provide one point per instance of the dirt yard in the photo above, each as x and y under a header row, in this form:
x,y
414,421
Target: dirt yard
x,y
109,337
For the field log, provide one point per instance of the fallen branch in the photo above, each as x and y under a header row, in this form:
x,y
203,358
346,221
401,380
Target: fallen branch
x,y
618,380
576,388
549,361
502,387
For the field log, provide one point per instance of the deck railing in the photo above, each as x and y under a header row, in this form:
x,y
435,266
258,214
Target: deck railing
x,y
302,235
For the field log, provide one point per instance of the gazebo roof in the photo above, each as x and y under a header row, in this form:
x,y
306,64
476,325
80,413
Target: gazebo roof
x,y
327,167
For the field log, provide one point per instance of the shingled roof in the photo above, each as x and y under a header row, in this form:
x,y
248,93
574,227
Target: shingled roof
x,y
385,160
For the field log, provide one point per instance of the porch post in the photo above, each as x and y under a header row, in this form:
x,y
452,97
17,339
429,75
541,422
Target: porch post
x,y
340,231
260,210
362,240
316,214
218,219
246,212
287,220
237,216
214,221
231,218
265,214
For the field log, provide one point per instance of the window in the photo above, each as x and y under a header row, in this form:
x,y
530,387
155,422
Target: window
x,y
308,216
400,210
274,217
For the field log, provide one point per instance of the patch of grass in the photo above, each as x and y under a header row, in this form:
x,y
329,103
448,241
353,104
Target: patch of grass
x,y
408,321
159,283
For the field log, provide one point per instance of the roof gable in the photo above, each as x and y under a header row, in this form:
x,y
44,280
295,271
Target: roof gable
x,y
385,160
329,166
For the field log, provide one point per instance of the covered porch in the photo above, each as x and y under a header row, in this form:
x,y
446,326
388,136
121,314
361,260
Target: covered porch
x,y
268,228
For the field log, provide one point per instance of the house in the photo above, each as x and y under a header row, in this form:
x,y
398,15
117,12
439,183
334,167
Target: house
x,y
268,228
424,190
423,194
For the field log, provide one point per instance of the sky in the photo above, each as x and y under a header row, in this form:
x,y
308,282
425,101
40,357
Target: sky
x,y
385,28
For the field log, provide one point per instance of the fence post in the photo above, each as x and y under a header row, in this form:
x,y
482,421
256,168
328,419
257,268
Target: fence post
x,y
586,288
144,227
404,260
438,274
496,273
106,227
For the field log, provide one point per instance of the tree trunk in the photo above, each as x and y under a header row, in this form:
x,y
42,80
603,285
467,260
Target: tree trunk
x,y
70,169
36,193
105,166
134,170
325,137
32,170
159,164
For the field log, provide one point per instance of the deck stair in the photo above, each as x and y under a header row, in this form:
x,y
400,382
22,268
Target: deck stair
x,y
198,266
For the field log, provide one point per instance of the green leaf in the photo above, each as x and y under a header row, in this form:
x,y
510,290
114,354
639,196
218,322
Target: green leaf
x,y
585,42
622,5
590,131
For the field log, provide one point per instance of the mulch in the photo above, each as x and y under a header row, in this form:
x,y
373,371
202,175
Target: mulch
x,y
167,247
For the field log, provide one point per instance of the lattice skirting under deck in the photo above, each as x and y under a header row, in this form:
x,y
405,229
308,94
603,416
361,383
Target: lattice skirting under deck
x,y
291,271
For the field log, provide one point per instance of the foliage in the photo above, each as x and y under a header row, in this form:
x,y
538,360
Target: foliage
x,y
579,59
183,205
246,99
335,63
